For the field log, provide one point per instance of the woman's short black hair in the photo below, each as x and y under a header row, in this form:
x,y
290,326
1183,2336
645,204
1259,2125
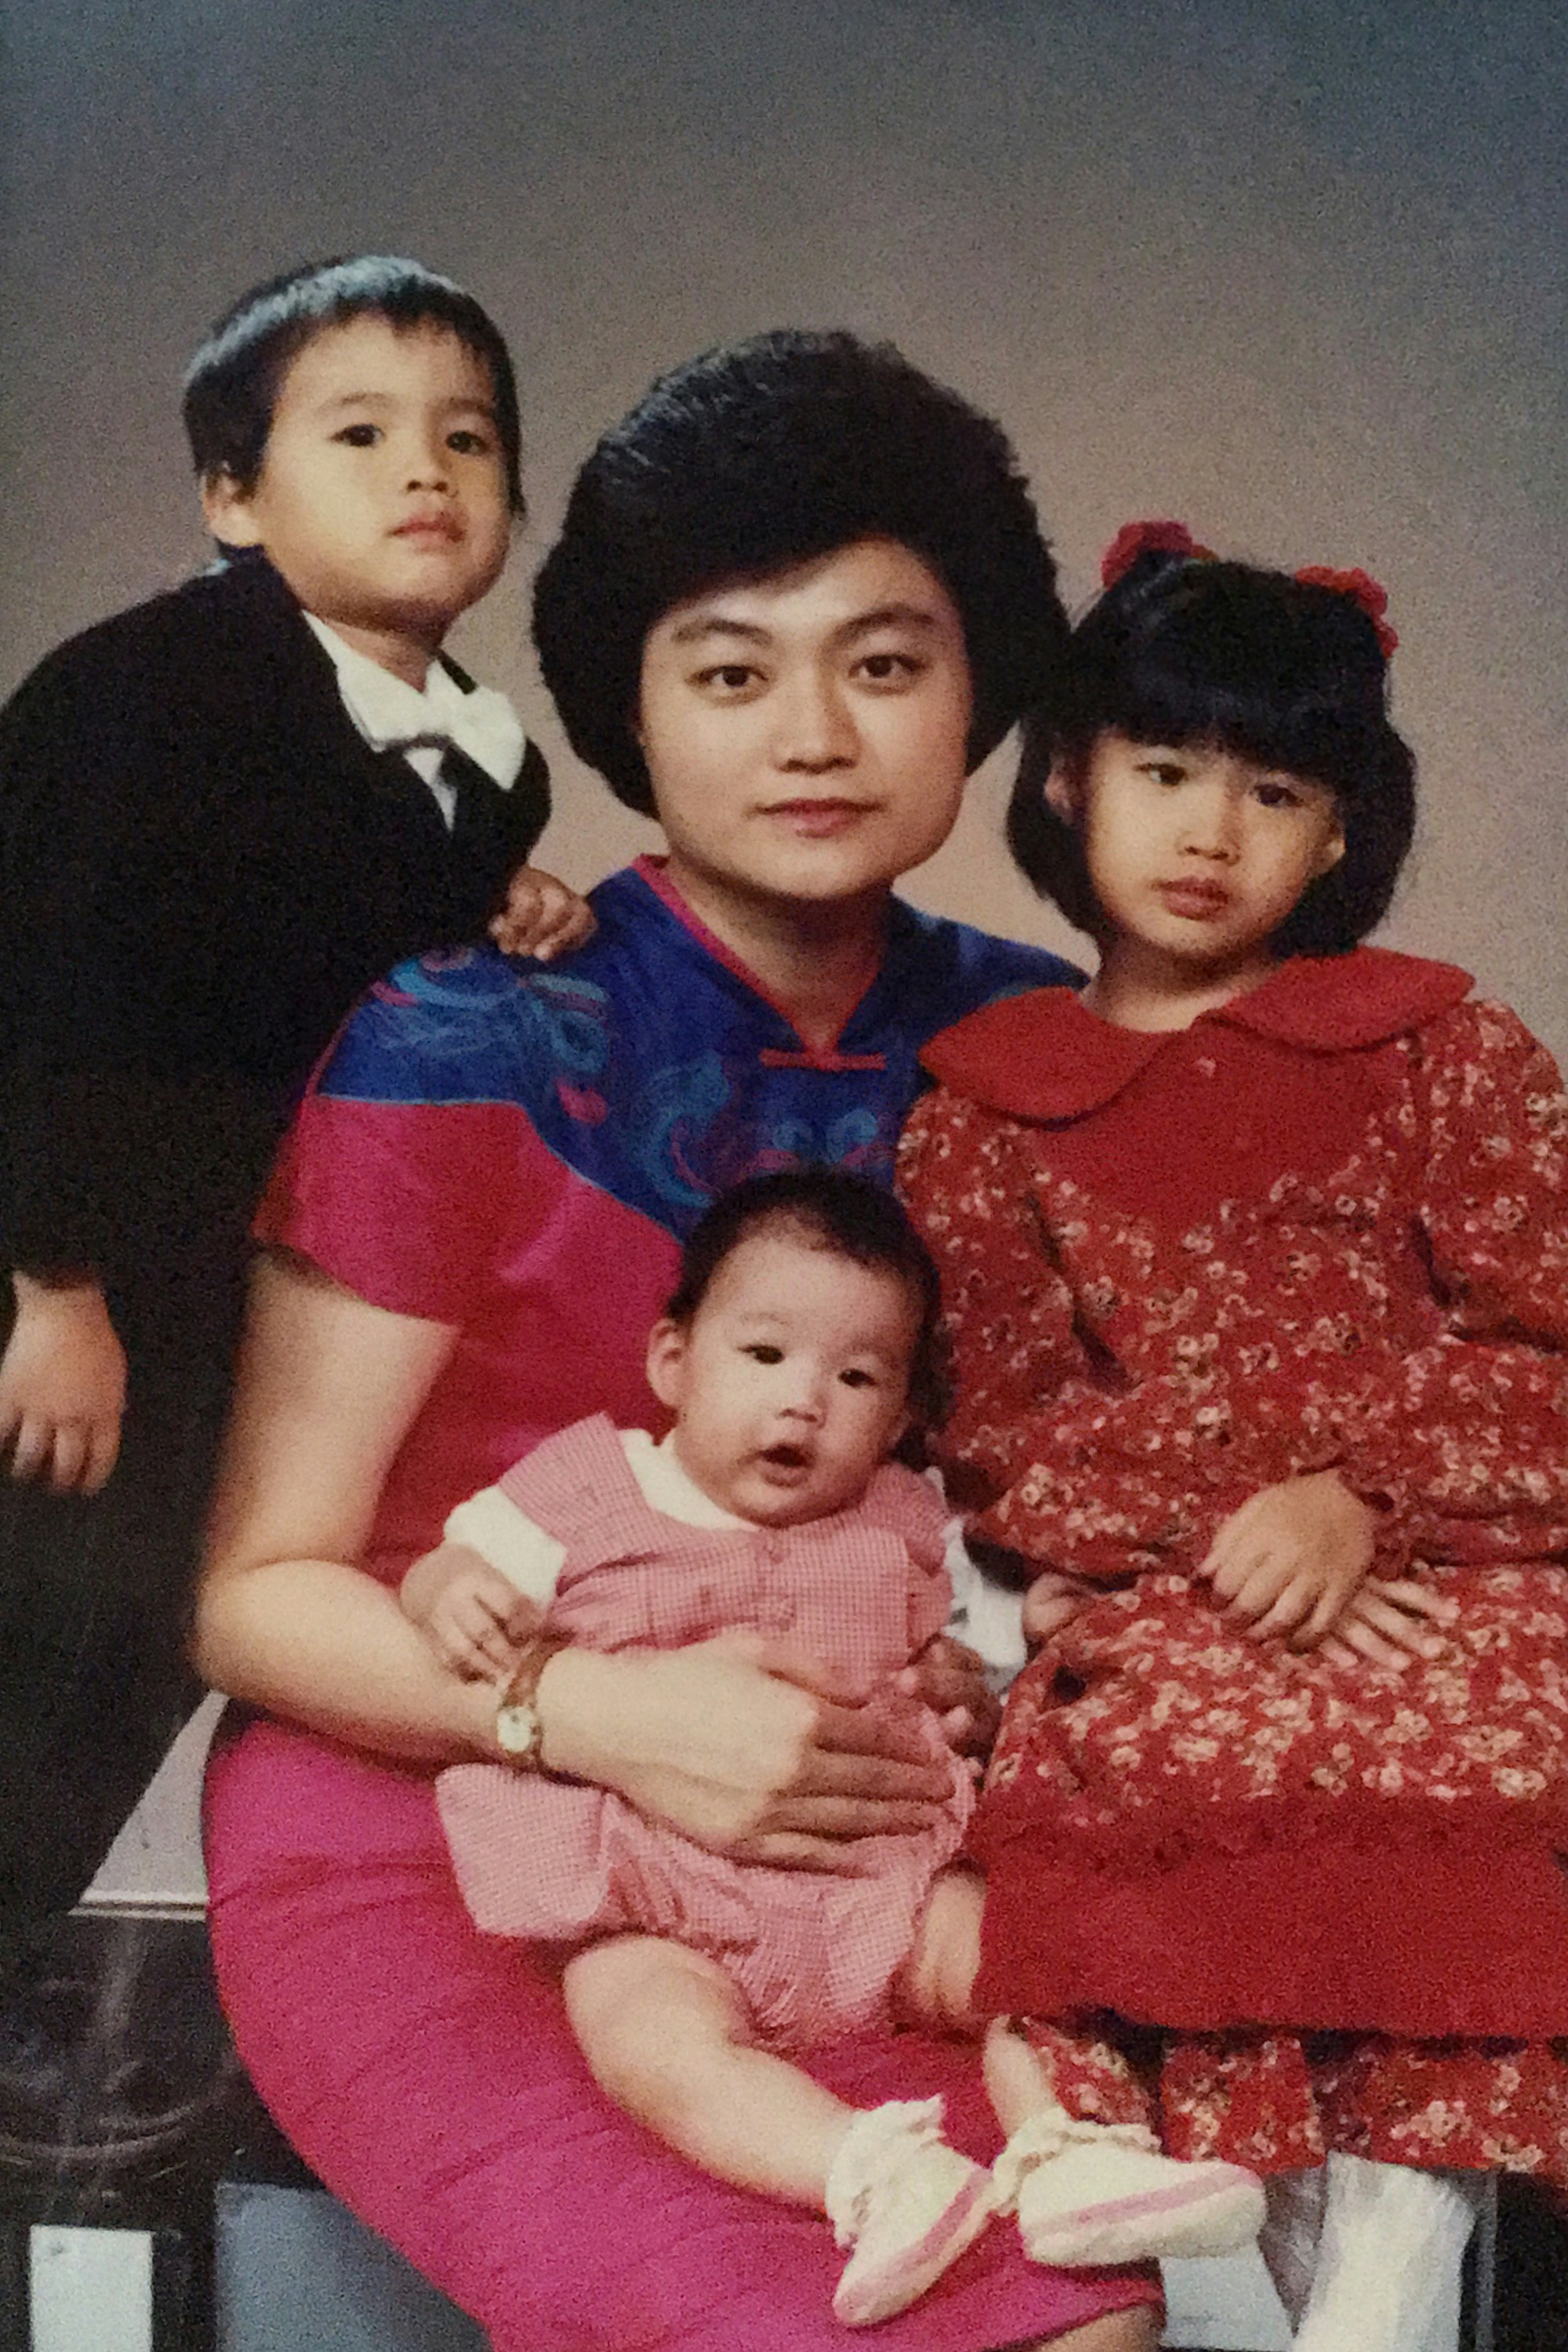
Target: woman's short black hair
x,y
829,1209
769,453
232,384
1186,650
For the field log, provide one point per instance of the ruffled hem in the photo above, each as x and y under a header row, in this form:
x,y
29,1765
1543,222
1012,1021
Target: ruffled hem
x,y
1420,1941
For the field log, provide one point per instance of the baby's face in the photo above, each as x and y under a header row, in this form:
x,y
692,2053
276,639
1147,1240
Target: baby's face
x,y
790,1384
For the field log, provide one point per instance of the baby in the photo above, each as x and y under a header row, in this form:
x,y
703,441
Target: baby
x,y
800,1348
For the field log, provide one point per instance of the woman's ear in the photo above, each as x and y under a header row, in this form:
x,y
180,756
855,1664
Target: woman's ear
x,y
229,511
1330,852
665,1362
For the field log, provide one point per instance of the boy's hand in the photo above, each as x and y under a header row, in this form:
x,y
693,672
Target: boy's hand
x,y
1388,1622
1288,1561
476,1621
541,917
62,1387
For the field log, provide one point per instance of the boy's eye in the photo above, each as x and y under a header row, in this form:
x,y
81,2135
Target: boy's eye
x,y
888,668
761,1351
359,437
727,677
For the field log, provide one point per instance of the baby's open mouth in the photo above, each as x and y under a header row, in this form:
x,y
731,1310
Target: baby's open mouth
x,y
788,1457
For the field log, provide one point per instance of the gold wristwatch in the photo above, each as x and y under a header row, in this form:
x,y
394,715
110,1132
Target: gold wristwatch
x,y
519,1734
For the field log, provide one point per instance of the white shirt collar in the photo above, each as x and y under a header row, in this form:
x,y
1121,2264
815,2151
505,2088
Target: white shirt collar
x,y
393,715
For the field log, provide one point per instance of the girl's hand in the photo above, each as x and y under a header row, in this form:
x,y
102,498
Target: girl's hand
x,y
744,1744
541,917
1052,1602
1290,1559
950,1679
62,1387
1388,1622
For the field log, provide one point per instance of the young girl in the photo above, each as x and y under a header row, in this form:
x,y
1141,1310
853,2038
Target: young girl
x,y
797,1350
1256,1258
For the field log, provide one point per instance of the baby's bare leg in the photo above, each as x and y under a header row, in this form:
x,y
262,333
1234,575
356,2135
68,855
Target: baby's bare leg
x,y
669,2037
936,1985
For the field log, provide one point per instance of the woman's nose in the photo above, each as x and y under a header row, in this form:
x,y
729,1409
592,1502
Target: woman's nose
x,y
813,726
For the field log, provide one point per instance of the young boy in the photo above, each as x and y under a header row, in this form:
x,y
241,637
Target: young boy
x,y
223,815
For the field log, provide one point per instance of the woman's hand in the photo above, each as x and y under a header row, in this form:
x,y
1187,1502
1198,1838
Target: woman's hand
x,y
744,1744
62,1386
1287,1563
950,1679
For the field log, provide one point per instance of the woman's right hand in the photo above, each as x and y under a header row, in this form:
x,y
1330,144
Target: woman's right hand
x,y
746,1745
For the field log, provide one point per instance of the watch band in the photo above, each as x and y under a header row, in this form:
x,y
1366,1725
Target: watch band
x,y
519,1734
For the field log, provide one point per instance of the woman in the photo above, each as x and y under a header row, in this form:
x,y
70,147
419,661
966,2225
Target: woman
x,y
799,594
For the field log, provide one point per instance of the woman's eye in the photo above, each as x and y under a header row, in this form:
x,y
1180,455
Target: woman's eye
x,y
1274,795
761,1352
727,677
1164,771
855,1378
360,437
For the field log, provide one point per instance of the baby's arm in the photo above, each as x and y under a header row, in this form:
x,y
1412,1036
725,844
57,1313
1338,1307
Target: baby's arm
x,y
473,1619
484,1591
62,1385
541,917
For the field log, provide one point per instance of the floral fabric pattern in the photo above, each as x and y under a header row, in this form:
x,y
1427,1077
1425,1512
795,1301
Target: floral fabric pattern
x,y
1325,1227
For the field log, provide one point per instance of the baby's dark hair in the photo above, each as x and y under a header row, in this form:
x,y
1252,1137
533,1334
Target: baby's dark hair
x,y
771,452
232,384
1186,650
829,1209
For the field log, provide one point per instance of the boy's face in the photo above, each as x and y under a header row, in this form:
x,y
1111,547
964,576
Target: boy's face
x,y
382,497
790,1384
806,734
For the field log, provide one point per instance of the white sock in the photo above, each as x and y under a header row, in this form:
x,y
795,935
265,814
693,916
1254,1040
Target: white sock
x,y
1392,2241
1288,2241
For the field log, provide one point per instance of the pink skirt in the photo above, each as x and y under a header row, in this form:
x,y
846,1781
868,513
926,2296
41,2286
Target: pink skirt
x,y
427,2074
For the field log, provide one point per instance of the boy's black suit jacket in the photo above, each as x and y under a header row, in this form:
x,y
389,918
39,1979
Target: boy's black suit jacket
x,y
202,864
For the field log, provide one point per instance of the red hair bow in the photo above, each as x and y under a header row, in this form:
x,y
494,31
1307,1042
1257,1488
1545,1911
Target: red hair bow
x,y
1362,589
1136,539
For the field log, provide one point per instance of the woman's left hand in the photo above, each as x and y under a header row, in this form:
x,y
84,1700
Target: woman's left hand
x,y
951,1680
1288,1561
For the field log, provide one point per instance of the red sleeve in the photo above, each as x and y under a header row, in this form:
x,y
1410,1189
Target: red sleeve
x,y
411,1205
1473,1434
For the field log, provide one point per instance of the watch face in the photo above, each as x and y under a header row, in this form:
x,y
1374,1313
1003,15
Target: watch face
x,y
517,1727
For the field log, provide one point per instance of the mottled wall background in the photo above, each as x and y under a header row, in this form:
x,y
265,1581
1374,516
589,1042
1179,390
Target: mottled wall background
x,y
1292,271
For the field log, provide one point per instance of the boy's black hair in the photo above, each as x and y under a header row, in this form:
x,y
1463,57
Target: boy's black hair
x,y
232,384
1186,650
832,1210
769,453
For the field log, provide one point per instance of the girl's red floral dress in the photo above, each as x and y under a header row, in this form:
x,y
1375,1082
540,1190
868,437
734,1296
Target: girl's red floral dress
x,y
1327,1226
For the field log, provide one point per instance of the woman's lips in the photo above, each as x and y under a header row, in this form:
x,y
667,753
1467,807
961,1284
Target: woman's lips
x,y
440,529
1198,902
817,819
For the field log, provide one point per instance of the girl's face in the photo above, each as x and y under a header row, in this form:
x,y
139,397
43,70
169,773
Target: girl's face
x,y
805,733
790,1384
1196,854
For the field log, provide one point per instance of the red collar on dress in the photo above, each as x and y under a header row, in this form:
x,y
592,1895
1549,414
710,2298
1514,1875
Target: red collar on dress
x,y
1045,1055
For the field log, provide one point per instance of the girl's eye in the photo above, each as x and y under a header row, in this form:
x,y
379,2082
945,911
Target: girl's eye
x,y
761,1351
468,442
360,437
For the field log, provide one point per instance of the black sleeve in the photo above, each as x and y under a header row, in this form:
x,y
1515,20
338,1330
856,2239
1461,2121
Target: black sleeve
x,y
120,1131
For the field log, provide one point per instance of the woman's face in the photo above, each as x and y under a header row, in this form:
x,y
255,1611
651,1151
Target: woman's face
x,y
805,733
